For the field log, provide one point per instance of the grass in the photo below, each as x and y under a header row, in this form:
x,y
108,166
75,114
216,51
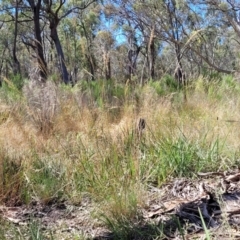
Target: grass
x,y
32,231
69,142
204,226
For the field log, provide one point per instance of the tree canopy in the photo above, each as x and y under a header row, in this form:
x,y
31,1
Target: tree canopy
x,y
124,40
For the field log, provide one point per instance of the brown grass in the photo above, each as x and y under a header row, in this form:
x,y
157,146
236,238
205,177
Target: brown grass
x,y
48,121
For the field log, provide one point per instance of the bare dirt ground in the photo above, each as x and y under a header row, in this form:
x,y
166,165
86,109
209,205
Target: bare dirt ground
x,y
176,207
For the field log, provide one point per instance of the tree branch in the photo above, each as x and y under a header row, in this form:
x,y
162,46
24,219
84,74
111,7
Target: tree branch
x,y
76,8
28,44
59,7
210,63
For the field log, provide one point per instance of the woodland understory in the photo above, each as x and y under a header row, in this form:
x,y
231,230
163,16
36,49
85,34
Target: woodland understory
x,y
119,119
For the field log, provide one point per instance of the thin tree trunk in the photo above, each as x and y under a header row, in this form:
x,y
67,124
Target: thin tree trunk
x,y
42,65
179,75
109,74
151,53
143,69
55,38
1,65
107,65
89,56
132,61
16,64
92,65
152,62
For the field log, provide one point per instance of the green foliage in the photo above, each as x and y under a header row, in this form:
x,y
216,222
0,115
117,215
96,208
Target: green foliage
x,y
35,231
11,177
104,92
212,75
158,86
17,81
204,225
46,180
230,84
122,227
105,179
167,84
220,89
11,89
178,158
9,230
170,82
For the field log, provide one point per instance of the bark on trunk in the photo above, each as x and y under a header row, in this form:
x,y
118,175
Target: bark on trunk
x,y
92,64
107,64
90,58
42,65
132,61
108,73
152,69
16,64
151,54
179,74
55,38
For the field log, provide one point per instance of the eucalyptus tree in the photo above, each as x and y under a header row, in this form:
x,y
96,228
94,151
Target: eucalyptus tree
x,y
36,9
9,18
28,14
88,27
4,50
104,44
148,25
54,12
39,14
226,15
166,22
205,42
78,34
69,33
16,64
189,29
124,16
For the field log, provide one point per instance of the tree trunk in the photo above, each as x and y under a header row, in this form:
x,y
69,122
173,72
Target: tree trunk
x,y
92,64
108,74
107,64
132,61
151,53
179,74
152,59
90,57
16,64
42,65
55,38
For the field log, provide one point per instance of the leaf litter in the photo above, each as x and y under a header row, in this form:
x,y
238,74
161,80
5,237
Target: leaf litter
x,y
180,202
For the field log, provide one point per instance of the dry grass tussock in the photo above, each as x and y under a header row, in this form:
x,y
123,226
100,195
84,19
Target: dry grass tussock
x,y
41,104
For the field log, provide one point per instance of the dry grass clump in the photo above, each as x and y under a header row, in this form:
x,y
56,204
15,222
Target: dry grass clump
x,y
41,104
